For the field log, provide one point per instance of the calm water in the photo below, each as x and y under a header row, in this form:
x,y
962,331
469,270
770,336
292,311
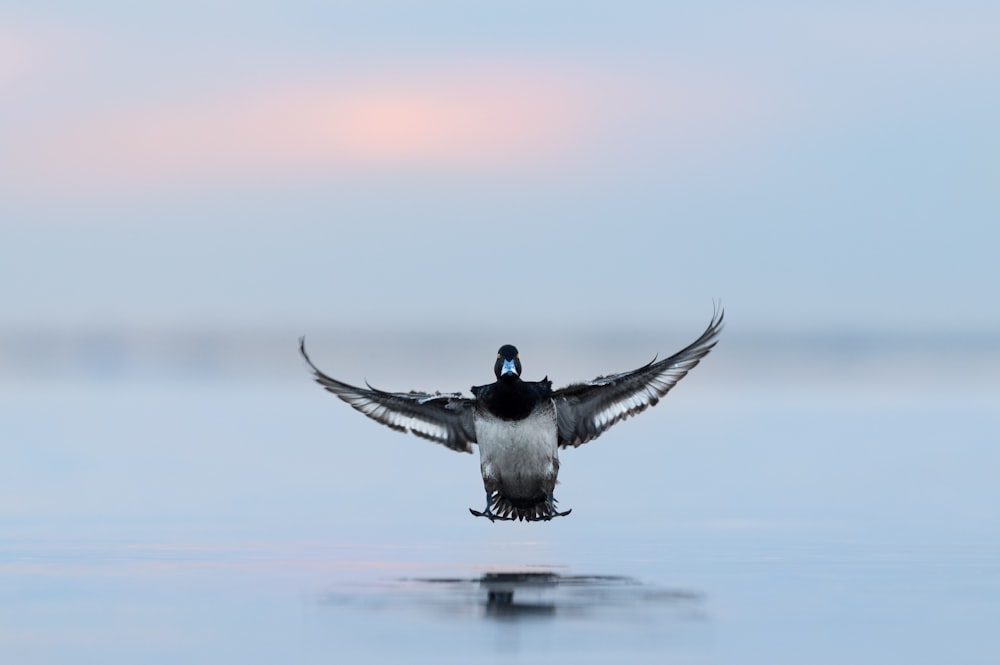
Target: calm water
x,y
825,506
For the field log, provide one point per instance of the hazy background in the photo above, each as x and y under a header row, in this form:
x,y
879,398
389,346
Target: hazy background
x,y
499,167
186,188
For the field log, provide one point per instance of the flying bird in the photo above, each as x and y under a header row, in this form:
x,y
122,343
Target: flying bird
x,y
520,425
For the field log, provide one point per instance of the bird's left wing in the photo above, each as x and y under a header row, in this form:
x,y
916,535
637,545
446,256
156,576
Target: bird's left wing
x,y
442,417
586,410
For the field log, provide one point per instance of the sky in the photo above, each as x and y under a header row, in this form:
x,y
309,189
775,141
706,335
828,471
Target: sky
x,y
475,166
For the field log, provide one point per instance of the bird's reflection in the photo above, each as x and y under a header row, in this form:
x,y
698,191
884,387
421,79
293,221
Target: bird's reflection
x,y
501,588
526,595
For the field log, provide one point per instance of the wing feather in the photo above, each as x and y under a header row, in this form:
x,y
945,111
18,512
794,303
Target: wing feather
x,y
586,410
442,417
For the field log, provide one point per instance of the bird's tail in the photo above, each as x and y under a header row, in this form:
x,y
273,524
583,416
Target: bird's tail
x,y
531,510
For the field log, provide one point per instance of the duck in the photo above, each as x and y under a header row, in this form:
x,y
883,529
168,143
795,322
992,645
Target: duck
x,y
520,426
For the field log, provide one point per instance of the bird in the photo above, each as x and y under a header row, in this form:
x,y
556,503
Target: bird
x,y
519,426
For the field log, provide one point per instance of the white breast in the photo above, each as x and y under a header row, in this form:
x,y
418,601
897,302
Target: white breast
x,y
520,455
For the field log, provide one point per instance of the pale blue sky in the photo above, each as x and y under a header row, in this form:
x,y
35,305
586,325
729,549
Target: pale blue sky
x,y
566,165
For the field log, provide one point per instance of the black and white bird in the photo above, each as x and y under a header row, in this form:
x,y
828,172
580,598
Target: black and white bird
x,y
520,425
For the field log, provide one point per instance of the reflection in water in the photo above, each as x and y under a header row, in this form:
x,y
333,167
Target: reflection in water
x,y
500,589
505,595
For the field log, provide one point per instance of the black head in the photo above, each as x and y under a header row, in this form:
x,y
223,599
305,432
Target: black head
x,y
508,364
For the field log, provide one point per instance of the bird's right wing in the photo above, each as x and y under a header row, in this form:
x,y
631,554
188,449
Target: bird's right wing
x,y
442,417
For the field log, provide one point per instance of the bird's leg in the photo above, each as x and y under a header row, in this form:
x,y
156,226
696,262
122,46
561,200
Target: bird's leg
x,y
488,513
550,508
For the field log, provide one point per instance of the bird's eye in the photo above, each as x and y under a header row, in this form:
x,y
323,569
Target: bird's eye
x,y
517,355
498,356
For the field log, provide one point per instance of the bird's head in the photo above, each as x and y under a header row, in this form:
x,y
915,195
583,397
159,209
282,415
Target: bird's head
x,y
508,365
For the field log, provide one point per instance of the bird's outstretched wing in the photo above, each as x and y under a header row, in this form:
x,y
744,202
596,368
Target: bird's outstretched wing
x,y
442,417
585,410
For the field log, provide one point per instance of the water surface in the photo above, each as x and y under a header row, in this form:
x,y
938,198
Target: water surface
x,y
839,506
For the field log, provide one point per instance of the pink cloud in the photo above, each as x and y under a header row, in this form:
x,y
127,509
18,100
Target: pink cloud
x,y
520,116
452,121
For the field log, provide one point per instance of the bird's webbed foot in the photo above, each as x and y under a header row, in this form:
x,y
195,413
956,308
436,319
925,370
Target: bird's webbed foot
x,y
488,513
500,508
551,511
